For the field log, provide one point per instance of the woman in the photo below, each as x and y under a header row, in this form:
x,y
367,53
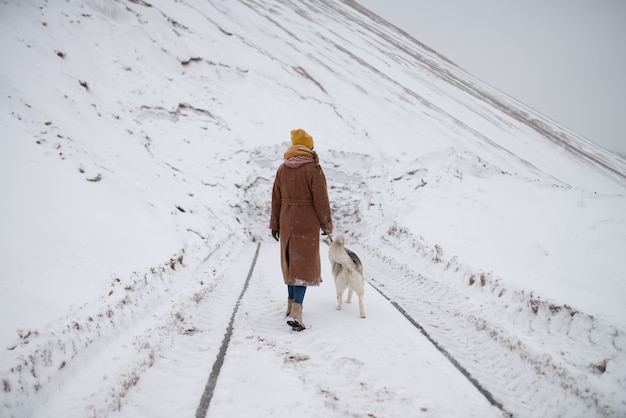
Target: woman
x,y
300,208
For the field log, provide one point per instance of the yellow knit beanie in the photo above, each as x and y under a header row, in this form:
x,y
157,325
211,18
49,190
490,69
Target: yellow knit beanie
x,y
300,137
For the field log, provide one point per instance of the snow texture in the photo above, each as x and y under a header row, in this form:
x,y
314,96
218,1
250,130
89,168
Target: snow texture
x,y
139,143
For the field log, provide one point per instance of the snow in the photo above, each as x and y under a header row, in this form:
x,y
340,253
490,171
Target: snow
x,y
140,143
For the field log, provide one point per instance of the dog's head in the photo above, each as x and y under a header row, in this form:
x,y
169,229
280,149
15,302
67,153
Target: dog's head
x,y
338,241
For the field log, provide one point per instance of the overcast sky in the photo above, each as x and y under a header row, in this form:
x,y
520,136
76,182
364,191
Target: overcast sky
x,y
563,58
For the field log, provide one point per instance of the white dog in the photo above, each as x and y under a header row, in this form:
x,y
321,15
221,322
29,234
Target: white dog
x,y
348,272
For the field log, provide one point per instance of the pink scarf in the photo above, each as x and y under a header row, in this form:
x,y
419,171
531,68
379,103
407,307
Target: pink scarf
x,y
295,162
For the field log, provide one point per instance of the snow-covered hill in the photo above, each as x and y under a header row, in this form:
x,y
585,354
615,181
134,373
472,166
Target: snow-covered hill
x,y
140,139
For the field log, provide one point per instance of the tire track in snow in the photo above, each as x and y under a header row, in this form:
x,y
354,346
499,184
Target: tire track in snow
x,y
106,378
443,351
173,385
342,364
205,401
523,381
261,353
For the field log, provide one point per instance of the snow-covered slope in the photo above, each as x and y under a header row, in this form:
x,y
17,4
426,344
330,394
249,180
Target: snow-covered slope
x,y
140,138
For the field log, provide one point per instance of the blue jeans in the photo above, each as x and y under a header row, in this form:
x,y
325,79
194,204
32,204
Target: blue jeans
x,y
296,293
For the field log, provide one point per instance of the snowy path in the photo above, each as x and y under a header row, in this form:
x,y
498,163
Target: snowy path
x,y
158,362
509,354
341,365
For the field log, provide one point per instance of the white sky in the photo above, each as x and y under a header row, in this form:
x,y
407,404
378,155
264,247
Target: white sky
x,y
564,58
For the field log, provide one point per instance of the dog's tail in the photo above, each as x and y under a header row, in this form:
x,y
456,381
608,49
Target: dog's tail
x,y
339,254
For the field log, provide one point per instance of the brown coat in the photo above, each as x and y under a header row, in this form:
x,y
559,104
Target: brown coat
x,y
300,208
